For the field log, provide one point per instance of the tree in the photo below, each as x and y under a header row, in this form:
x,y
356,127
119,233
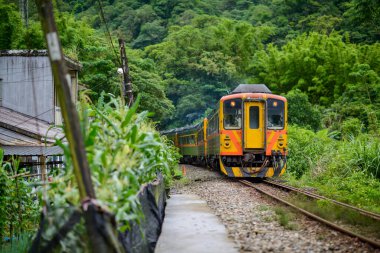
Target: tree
x,y
11,28
301,112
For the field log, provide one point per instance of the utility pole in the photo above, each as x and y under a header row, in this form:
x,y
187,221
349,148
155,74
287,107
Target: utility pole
x,y
127,84
100,241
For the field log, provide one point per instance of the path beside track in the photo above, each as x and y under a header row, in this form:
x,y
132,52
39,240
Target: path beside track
x,y
252,222
190,226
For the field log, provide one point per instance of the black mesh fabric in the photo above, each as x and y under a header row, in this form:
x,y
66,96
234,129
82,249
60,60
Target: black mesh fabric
x,y
143,237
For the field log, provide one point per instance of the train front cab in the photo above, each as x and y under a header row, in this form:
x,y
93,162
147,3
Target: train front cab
x,y
253,135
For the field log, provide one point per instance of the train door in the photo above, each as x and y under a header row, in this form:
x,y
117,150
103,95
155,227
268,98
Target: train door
x,y
254,128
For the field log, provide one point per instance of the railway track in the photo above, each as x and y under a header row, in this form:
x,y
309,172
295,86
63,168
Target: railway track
x,y
316,196
374,243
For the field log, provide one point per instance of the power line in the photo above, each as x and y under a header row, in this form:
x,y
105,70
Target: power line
x,y
108,31
33,117
13,137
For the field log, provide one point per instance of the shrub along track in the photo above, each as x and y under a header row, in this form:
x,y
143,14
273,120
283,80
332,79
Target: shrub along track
x,y
314,216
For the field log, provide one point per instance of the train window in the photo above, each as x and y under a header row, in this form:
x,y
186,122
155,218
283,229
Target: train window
x,y
254,117
211,126
200,136
232,114
276,112
191,139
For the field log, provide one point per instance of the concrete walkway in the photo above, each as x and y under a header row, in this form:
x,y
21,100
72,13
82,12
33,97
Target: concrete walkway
x,y
191,227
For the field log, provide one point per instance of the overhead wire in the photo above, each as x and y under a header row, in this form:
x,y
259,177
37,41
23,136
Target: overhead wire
x,y
14,137
108,34
33,118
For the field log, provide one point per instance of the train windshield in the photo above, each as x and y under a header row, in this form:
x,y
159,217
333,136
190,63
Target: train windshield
x,y
276,110
232,114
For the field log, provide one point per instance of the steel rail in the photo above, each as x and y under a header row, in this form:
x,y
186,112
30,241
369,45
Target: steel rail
x,y
316,196
315,217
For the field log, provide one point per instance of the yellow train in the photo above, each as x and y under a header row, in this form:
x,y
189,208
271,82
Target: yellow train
x,y
246,136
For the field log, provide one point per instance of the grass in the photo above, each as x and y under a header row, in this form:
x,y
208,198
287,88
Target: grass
x,y
338,214
17,245
263,208
346,170
181,182
286,218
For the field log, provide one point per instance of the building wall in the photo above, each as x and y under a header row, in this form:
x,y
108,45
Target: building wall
x,y
27,86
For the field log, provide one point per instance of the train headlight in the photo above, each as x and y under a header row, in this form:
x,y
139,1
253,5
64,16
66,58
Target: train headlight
x,y
281,142
227,142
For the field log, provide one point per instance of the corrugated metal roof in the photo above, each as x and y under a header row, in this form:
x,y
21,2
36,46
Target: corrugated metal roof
x,y
32,151
25,127
11,138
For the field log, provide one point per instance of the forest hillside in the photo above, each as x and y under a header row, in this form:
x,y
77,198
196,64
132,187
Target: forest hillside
x,y
184,55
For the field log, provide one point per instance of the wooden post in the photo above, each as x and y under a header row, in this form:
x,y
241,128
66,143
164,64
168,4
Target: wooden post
x,y
69,113
127,84
93,219
42,159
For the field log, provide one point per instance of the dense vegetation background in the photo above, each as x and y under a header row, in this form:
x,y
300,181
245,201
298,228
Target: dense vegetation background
x,y
323,55
186,54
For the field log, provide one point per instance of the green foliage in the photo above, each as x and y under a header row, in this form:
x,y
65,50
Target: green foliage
x,y
124,151
10,26
364,15
4,182
301,112
151,33
203,49
19,214
347,170
317,153
16,245
286,218
351,128
203,60
209,48
305,149
316,64
358,154
148,84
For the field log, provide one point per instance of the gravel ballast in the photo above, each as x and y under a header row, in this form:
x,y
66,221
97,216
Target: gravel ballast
x,y
259,224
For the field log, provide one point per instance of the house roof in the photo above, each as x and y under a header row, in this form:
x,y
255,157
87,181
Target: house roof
x,y
11,138
17,129
32,150
70,63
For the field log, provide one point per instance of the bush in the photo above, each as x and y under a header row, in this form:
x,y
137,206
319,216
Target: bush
x,y
301,112
358,154
346,170
307,150
19,214
124,151
351,127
